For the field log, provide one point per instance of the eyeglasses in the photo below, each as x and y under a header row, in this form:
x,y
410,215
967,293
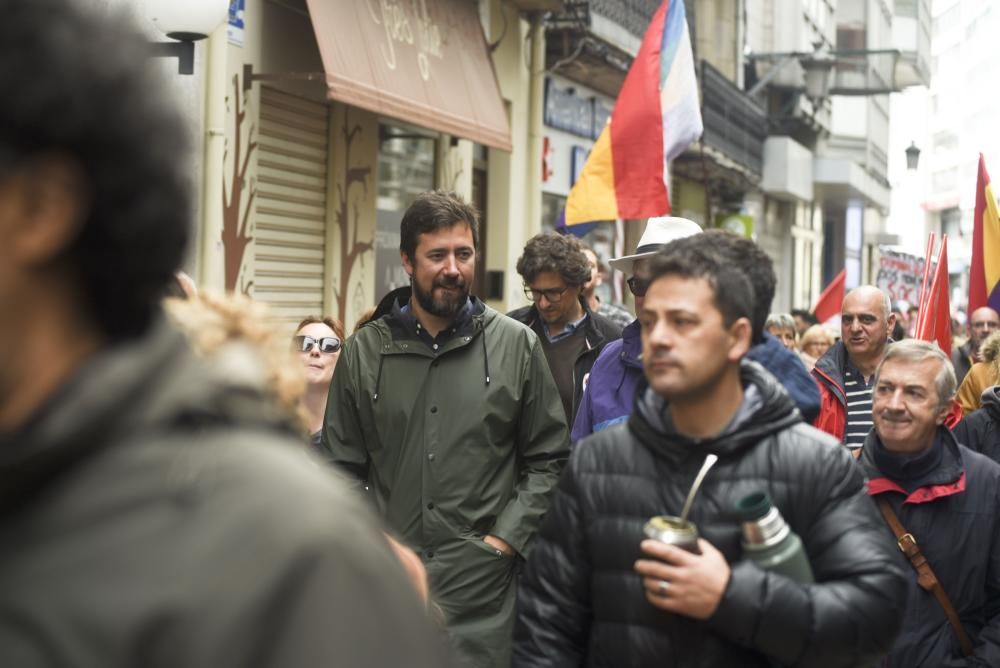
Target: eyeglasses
x,y
553,295
327,344
637,287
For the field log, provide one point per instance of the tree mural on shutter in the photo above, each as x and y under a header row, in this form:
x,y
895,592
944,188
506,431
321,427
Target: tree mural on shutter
x,y
235,221
351,249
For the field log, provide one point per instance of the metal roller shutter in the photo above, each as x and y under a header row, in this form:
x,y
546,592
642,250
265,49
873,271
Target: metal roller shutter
x,y
290,233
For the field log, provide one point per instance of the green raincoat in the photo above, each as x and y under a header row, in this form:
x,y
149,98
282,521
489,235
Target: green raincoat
x,y
453,444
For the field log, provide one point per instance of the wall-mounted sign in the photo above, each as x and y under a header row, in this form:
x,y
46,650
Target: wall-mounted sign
x,y
567,110
234,30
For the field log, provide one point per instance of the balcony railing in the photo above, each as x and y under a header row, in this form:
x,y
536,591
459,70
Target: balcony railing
x,y
734,124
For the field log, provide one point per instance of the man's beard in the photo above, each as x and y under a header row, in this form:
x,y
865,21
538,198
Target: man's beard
x,y
449,305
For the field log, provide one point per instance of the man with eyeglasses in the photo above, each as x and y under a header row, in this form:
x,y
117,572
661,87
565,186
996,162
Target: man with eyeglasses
x,y
982,322
555,271
617,372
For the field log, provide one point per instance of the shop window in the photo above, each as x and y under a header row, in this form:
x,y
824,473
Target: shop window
x,y
406,168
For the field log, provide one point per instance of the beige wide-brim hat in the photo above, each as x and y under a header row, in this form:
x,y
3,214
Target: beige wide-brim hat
x,y
658,233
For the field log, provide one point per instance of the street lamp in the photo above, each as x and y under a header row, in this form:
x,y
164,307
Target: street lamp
x,y
912,156
816,66
185,21
817,70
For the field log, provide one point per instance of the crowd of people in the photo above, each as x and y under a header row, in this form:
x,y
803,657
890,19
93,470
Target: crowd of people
x,y
185,484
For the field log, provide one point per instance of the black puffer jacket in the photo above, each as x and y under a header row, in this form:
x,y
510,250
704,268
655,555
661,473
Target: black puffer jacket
x,y
980,430
581,603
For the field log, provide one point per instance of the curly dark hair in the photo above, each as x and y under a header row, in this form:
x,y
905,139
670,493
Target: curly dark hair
x,y
556,253
77,85
432,211
733,295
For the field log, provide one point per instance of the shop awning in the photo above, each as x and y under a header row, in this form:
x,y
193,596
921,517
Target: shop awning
x,y
423,62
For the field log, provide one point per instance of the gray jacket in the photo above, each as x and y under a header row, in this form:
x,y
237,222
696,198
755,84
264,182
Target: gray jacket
x,y
159,513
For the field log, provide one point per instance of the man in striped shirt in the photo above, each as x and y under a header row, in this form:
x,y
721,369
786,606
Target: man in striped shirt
x,y
846,371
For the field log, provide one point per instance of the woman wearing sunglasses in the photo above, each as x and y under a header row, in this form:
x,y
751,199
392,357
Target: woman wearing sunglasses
x,y
317,341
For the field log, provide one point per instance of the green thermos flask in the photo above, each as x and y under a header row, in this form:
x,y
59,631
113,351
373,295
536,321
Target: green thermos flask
x,y
768,541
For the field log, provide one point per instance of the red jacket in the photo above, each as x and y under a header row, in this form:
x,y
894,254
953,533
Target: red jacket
x,y
829,375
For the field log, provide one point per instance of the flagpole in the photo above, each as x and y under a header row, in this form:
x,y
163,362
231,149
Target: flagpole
x,y
923,282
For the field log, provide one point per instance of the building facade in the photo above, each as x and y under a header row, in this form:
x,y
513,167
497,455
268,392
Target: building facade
x,y
952,123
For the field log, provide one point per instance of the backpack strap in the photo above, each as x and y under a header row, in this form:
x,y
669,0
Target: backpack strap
x,y
925,575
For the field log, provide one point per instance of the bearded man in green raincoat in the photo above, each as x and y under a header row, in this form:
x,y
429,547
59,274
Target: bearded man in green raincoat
x,y
448,414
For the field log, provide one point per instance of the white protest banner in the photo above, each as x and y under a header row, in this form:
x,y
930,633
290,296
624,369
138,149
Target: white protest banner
x,y
899,275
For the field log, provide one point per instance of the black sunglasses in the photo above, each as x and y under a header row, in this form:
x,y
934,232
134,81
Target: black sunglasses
x,y
637,287
327,344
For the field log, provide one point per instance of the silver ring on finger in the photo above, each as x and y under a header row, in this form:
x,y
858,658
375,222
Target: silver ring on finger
x,y
662,587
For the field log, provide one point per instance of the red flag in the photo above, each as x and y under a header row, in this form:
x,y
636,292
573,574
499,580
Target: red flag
x,y
984,270
935,323
832,299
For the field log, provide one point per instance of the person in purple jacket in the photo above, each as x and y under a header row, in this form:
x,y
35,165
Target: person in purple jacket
x,y
617,373
609,390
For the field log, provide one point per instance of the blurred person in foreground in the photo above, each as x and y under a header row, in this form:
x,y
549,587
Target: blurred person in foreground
x,y
982,323
239,331
940,500
447,411
317,342
156,508
596,594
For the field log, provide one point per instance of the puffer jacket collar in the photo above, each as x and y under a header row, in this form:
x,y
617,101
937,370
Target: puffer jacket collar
x,y
947,479
776,411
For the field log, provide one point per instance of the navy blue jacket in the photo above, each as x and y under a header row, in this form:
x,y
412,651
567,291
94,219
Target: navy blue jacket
x,y
788,368
948,500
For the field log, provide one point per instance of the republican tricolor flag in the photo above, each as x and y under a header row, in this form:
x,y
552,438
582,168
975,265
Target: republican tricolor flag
x,y
984,272
656,117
